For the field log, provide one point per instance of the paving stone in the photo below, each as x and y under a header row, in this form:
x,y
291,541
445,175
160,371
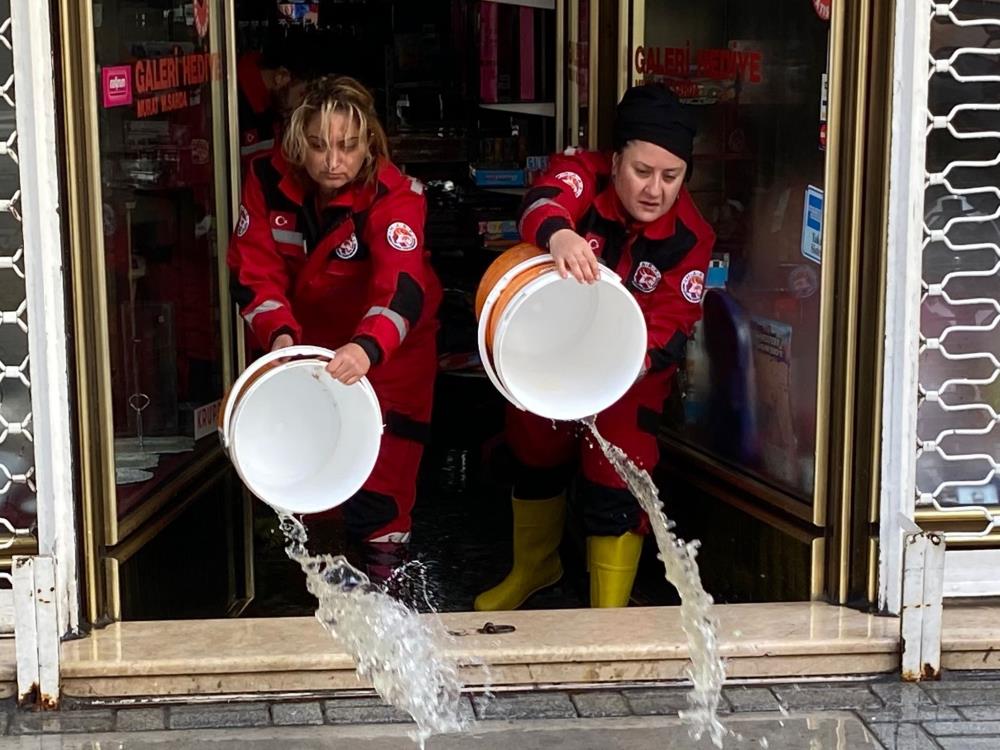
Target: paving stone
x,y
969,743
903,737
600,705
62,722
962,683
964,696
905,693
662,702
828,698
980,713
909,712
296,714
140,720
962,728
363,711
219,716
524,706
751,699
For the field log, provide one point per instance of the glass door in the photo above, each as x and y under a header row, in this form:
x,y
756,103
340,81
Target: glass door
x,y
164,217
748,398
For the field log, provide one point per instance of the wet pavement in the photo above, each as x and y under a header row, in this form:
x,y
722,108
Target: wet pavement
x,y
961,712
827,732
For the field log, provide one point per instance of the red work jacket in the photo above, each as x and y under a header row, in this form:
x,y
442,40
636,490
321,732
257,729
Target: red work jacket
x,y
354,269
663,263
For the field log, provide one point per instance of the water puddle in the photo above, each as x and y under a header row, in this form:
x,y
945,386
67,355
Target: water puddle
x,y
707,671
404,655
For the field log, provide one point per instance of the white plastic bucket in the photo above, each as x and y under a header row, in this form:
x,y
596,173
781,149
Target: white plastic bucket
x,y
300,440
558,348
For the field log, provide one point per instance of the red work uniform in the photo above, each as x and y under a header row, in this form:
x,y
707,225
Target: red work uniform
x,y
353,270
260,126
663,264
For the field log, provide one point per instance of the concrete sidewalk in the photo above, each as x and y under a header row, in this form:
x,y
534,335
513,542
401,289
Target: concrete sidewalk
x,y
961,712
825,732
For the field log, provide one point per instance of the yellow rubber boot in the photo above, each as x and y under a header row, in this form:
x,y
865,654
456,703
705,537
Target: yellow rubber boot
x,y
538,528
613,561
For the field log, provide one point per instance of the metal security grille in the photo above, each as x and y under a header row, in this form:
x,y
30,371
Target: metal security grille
x,y
958,464
17,459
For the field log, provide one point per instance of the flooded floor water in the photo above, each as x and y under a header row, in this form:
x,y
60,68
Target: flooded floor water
x,y
461,524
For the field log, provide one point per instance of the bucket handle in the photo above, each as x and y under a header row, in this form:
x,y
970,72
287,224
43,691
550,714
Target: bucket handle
x,y
299,351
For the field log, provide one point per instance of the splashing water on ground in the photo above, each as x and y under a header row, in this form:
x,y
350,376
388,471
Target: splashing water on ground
x,y
401,653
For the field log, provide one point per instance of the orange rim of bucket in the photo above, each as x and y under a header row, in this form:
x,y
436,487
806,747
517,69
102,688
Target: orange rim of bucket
x,y
494,274
516,284
499,268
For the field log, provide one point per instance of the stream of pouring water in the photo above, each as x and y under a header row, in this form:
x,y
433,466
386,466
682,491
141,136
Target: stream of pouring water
x,y
401,653
707,670
404,655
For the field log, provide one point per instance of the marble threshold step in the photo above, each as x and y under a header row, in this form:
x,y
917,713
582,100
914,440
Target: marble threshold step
x,y
568,647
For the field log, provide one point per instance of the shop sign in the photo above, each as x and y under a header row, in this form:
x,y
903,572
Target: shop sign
x,y
206,419
812,224
172,82
711,64
822,8
116,84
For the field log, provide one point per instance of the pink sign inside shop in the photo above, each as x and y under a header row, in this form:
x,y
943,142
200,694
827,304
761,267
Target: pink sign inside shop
x,y
116,83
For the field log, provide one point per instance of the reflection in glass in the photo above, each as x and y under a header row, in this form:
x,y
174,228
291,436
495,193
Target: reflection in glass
x,y
158,73
757,74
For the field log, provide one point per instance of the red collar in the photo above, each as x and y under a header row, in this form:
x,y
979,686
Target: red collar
x,y
609,205
356,196
251,82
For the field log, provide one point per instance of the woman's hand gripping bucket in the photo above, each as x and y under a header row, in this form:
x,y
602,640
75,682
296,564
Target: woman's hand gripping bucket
x,y
555,347
300,440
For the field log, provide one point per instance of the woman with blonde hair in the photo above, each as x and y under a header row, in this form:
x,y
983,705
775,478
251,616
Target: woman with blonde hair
x,y
329,250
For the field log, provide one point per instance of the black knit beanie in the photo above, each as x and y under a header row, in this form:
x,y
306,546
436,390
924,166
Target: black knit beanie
x,y
653,113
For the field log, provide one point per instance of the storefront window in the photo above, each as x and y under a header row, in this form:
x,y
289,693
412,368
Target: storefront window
x,y
164,193
756,72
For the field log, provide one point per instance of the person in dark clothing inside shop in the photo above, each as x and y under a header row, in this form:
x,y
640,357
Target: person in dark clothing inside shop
x,y
629,210
270,85
329,250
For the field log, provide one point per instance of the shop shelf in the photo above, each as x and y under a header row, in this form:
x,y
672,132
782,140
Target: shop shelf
x,y
506,191
543,4
543,109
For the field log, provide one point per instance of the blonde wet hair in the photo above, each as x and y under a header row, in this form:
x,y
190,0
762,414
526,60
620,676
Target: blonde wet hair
x,y
331,95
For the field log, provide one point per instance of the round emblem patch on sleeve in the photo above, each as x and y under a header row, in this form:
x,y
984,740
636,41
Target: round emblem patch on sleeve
x,y
574,181
348,248
400,236
647,277
244,223
693,286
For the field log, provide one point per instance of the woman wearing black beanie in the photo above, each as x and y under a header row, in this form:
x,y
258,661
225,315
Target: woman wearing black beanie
x,y
630,211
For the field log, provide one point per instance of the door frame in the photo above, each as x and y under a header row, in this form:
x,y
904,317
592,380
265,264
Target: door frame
x,y
842,524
